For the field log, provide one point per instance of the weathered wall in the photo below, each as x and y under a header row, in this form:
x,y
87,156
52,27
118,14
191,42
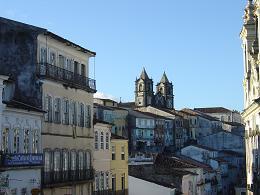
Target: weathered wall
x,y
18,51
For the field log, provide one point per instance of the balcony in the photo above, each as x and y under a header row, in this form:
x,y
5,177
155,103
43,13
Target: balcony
x,y
68,78
62,178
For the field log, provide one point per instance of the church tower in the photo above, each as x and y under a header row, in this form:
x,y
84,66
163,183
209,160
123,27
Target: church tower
x,y
165,89
143,90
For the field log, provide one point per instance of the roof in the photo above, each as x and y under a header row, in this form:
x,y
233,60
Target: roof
x,y
213,110
198,113
139,114
144,75
21,105
202,147
127,104
46,32
103,107
95,121
233,123
164,78
114,136
232,153
154,115
180,162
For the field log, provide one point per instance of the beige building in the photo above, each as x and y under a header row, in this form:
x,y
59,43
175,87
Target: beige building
x,y
102,157
251,84
67,135
52,74
119,165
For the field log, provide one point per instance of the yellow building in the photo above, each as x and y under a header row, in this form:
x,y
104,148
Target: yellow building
x,y
119,164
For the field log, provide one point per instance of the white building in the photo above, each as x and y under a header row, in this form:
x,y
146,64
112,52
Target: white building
x,y
251,84
20,144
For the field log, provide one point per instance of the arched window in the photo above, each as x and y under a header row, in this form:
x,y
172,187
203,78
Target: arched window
x,y
5,140
26,142
96,140
16,143
88,160
81,164
65,165
57,165
140,87
73,158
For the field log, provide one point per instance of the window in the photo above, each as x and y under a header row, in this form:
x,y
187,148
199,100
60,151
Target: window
x,y
81,115
14,191
48,108
122,153
107,181
53,58
65,165
80,164
76,67
113,153
61,61
43,55
69,64
107,140
88,116
74,113
23,191
47,161
96,140
102,181
35,142
26,144
73,164
83,70
66,112
57,108
16,141
97,181
56,161
5,140
123,181
88,160
102,140
113,182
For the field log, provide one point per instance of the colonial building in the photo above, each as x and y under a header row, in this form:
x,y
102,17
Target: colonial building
x,y
20,144
251,116
119,165
52,73
102,157
144,94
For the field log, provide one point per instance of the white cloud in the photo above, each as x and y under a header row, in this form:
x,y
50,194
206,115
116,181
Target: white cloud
x,y
105,96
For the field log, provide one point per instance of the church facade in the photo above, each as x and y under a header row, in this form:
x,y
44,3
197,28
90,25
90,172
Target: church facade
x,y
145,96
251,84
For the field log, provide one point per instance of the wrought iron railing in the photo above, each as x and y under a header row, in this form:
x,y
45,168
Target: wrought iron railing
x,y
110,192
58,177
70,78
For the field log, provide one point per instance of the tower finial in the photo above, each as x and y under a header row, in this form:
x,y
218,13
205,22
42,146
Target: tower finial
x,y
249,16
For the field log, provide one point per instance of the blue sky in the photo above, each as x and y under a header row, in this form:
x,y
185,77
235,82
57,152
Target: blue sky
x,y
196,42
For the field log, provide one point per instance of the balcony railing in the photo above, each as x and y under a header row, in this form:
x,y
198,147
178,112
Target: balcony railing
x,y
67,77
110,192
54,178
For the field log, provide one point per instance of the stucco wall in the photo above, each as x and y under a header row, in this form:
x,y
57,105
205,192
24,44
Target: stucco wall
x,y
142,187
